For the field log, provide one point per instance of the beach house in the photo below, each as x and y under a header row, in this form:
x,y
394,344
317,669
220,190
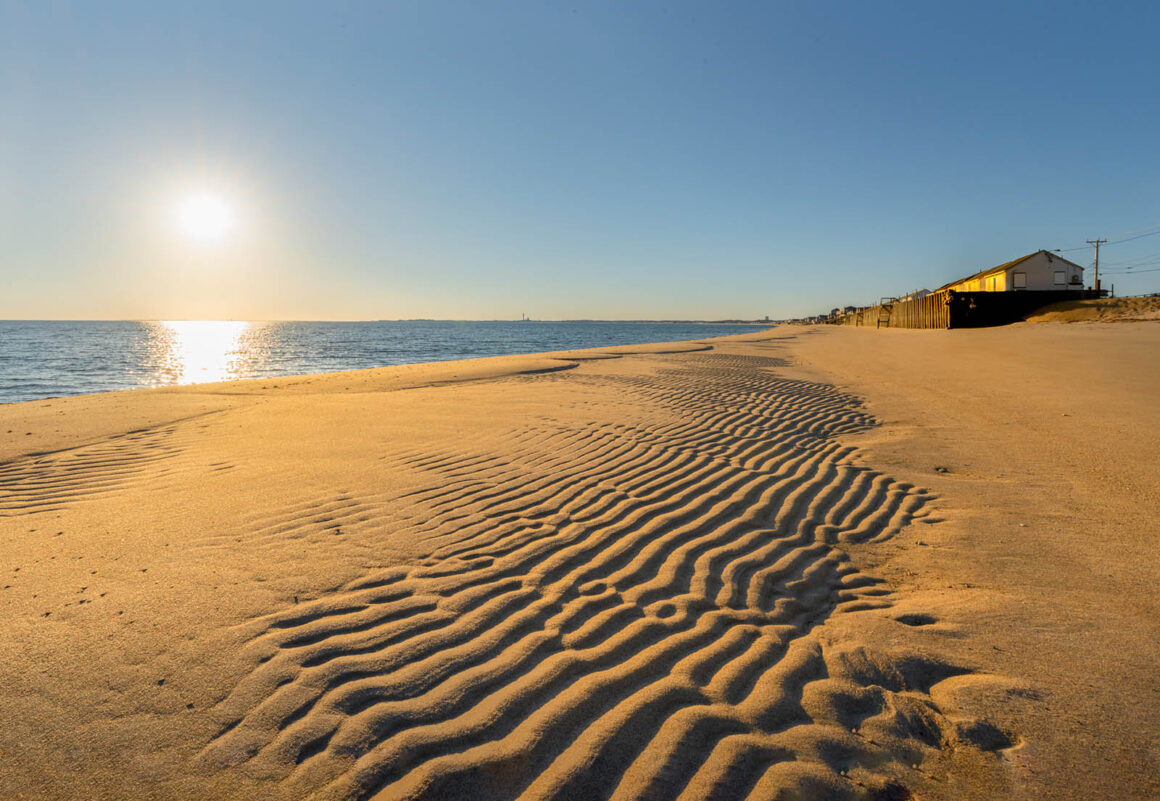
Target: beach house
x,y
995,296
1037,272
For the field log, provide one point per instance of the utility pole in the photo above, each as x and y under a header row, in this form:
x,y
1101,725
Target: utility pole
x,y
1097,243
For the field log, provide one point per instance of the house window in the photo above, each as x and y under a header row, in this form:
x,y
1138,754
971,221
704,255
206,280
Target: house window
x,y
1061,278
1019,280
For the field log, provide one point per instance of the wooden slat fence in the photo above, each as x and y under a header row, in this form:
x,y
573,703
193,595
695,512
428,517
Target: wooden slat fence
x,y
926,312
947,309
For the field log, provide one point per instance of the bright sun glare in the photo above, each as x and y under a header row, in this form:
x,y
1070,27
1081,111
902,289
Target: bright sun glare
x,y
205,217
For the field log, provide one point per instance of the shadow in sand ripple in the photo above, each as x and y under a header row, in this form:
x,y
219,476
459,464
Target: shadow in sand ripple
x,y
618,610
50,481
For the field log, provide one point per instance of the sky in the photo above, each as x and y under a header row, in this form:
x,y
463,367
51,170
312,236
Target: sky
x,y
611,160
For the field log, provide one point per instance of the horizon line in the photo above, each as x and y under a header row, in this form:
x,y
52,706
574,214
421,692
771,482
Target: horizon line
x,y
725,320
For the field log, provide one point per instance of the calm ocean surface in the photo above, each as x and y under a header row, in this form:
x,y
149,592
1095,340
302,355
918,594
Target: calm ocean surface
x,y
47,359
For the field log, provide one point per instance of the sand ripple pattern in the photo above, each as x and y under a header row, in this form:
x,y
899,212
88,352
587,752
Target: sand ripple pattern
x,y
617,610
50,481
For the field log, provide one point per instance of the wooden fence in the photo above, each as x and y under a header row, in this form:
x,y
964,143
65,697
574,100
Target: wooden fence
x,y
931,311
949,309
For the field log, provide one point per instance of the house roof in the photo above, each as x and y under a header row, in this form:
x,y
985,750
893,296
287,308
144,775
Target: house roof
x,y
1004,267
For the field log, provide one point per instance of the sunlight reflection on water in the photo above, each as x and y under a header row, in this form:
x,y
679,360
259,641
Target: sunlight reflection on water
x,y
44,358
200,351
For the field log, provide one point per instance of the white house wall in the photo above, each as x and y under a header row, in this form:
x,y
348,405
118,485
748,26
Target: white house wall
x,y
1040,270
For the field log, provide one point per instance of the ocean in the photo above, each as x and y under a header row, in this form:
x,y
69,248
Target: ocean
x,y
43,359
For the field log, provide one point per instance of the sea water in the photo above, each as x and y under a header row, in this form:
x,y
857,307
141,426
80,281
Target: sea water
x,y
41,359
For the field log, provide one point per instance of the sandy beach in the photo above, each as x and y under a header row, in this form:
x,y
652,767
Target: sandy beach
x,y
810,562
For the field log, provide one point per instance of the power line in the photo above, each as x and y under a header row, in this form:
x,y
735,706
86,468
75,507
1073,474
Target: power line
x,y
1132,238
1130,270
1137,231
1135,262
1129,273
1128,236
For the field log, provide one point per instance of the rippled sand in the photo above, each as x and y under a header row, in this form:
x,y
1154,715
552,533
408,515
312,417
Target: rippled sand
x,y
657,572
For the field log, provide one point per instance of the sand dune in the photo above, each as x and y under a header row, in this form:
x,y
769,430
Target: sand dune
x,y
1103,310
632,573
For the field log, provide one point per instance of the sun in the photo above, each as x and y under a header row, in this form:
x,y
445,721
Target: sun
x,y
205,217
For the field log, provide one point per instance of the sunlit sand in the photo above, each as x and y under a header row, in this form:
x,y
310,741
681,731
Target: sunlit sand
x,y
688,571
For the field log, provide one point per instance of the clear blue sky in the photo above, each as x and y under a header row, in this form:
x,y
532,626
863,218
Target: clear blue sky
x,y
611,160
